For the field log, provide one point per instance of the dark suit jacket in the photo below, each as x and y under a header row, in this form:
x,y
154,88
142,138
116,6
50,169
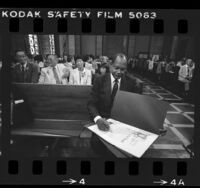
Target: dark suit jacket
x,y
31,74
100,103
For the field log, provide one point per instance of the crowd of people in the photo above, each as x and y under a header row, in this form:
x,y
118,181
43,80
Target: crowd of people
x,y
177,76
73,70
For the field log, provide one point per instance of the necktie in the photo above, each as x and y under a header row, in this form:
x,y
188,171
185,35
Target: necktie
x,y
114,91
80,77
188,71
23,74
56,75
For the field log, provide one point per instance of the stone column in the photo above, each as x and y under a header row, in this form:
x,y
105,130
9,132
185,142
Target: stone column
x,y
99,45
131,45
71,44
156,45
78,45
174,47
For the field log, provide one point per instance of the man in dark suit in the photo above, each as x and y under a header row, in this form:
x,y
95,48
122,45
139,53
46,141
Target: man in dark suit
x,y
105,88
24,71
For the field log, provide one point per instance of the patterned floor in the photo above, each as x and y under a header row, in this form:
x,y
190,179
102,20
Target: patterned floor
x,y
180,116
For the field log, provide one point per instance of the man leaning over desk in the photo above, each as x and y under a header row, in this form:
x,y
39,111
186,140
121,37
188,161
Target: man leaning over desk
x,y
105,88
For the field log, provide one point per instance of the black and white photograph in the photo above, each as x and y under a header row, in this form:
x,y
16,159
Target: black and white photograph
x,y
93,96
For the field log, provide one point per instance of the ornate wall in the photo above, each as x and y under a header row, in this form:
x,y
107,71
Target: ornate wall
x,y
175,47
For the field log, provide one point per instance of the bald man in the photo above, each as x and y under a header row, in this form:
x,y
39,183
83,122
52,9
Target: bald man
x,y
54,73
105,88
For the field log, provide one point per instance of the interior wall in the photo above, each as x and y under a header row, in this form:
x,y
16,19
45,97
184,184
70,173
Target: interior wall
x,y
88,43
173,46
113,44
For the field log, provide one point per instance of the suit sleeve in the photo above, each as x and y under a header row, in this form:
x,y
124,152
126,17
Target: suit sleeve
x,y
35,74
42,77
13,75
94,99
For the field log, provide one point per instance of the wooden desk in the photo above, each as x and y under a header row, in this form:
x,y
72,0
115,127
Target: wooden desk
x,y
51,122
88,146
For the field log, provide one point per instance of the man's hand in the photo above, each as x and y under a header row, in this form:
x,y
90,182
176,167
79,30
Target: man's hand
x,y
103,124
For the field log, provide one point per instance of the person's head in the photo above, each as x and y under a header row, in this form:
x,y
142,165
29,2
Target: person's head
x,y
52,60
38,58
21,56
189,62
104,59
131,61
76,57
69,59
89,59
184,59
80,64
30,57
65,58
103,68
92,57
85,58
118,65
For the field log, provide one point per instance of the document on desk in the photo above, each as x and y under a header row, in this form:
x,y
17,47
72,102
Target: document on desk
x,y
128,138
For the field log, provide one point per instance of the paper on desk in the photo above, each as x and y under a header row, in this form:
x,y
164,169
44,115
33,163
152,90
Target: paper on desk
x,y
128,138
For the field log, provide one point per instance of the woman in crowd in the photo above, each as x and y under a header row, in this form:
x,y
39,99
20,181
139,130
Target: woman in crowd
x,y
150,67
185,77
88,63
80,75
103,69
155,64
159,70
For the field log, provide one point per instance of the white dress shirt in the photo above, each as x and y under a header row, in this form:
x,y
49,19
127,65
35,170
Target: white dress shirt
x,y
183,73
80,78
47,75
112,85
24,65
151,64
113,82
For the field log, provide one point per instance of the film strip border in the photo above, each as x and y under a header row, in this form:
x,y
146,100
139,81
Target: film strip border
x,y
95,171
170,22
134,26
110,26
98,171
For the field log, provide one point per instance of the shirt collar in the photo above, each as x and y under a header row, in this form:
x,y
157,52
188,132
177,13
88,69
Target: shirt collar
x,y
82,70
24,65
113,79
53,67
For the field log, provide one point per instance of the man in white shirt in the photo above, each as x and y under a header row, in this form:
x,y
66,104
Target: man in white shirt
x,y
80,75
150,65
105,88
54,73
186,73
